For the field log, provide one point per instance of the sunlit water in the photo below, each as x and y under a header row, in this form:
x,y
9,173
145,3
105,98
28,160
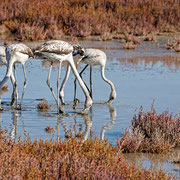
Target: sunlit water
x,y
149,74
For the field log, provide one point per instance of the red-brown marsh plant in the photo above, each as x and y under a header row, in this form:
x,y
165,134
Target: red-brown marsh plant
x,y
131,38
49,129
175,158
150,37
151,132
5,88
44,106
53,19
129,45
174,44
177,48
130,41
70,159
106,36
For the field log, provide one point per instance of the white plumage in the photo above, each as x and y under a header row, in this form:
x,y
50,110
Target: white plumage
x,y
96,57
3,62
63,51
16,53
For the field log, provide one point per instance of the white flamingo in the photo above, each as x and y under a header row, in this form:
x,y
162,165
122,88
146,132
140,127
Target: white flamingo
x,y
2,63
16,53
93,57
57,50
96,57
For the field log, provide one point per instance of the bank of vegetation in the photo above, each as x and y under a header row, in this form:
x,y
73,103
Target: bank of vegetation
x,y
47,19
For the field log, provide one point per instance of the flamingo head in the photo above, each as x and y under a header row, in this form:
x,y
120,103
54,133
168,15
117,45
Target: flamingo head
x,y
78,50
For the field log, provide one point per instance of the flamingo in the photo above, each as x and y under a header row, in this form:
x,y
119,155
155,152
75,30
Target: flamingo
x,y
95,57
16,53
2,63
57,50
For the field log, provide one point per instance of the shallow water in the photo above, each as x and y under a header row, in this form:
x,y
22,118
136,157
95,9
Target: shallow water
x,y
149,74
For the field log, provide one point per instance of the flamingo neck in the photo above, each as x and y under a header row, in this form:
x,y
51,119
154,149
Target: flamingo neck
x,y
107,80
8,73
85,90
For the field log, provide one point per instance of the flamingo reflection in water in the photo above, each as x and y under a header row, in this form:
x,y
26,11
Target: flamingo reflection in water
x,y
83,135
13,134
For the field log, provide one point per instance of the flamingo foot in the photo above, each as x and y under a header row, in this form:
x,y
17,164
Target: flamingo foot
x,y
60,111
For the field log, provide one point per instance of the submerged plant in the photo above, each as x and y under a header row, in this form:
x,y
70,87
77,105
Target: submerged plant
x,y
5,88
174,44
49,129
43,106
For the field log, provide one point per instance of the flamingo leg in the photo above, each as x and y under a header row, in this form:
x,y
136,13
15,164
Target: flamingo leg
x,y
14,93
88,101
75,103
58,88
91,81
48,82
61,92
15,87
75,86
25,84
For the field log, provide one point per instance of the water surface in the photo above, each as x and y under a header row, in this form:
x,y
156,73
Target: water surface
x,y
142,76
